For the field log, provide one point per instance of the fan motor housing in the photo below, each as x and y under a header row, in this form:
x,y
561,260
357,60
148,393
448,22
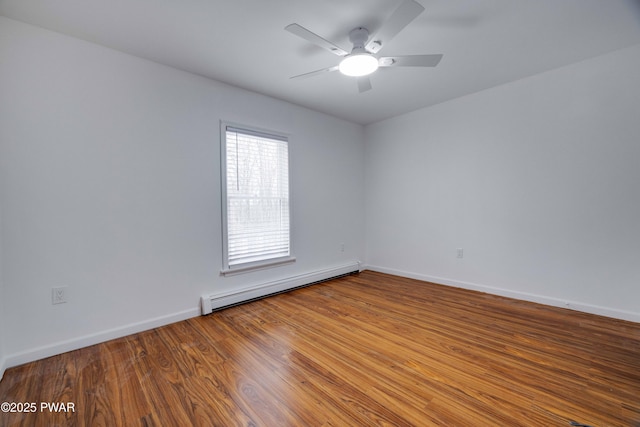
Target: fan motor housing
x,y
359,36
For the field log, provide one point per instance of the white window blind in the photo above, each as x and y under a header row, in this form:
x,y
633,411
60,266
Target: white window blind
x,y
257,197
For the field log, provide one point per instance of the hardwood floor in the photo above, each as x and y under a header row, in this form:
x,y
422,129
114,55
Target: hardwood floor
x,y
368,349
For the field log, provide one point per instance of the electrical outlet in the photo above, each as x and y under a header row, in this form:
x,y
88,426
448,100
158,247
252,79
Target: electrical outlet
x,y
460,252
59,295
341,247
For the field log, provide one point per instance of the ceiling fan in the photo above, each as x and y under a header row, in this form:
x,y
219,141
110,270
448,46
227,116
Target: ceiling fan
x,y
362,60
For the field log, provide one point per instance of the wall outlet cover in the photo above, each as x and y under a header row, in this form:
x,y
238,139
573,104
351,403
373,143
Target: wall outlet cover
x,y
59,295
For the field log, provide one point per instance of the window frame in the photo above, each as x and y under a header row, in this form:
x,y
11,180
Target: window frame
x,y
227,269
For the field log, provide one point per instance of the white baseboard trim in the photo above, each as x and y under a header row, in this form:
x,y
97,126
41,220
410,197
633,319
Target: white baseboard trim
x,y
87,340
540,299
3,367
212,302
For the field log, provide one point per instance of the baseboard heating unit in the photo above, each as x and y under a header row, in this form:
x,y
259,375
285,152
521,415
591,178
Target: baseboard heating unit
x,y
211,303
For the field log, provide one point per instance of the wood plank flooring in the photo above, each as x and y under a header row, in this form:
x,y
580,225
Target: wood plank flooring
x,y
368,349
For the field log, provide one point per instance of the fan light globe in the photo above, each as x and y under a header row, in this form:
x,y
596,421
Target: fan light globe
x,y
359,64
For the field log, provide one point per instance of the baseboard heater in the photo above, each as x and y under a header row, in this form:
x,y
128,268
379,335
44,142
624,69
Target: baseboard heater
x,y
211,303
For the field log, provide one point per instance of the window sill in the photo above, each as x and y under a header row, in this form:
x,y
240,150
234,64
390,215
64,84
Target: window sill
x,y
246,268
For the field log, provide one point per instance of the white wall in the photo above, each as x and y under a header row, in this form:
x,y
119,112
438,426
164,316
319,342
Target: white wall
x,y
537,180
110,185
3,320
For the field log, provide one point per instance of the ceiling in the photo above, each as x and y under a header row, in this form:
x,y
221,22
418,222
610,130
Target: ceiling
x,y
243,43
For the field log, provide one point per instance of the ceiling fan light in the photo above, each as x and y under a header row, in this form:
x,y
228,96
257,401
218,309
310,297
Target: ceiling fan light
x,y
359,64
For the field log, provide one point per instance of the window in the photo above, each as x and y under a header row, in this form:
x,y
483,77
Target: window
x,y
255,191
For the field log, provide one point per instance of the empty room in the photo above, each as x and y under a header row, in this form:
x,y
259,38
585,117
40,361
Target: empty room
x,y
296,213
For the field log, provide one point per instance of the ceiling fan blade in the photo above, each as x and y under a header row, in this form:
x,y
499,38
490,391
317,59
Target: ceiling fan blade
x,y
315,39
403,15
315,73
364,84
410,61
